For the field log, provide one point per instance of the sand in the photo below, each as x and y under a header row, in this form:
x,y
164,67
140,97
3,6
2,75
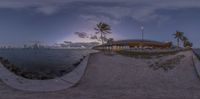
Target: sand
x,y
120,77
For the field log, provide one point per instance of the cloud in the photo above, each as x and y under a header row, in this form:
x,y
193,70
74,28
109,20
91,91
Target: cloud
x,y
94,19
94,37
141,11
109,10
48,10
43,3
81,34
137,13
42,6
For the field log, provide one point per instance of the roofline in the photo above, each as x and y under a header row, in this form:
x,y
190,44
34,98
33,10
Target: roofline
x,y
132,40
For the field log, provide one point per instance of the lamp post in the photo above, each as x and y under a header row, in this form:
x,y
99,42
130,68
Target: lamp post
x,y
142,29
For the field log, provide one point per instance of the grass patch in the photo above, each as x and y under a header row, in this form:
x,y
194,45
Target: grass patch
x,y
145,55
168,64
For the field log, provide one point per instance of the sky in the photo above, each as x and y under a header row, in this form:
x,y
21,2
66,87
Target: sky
x,y
53,21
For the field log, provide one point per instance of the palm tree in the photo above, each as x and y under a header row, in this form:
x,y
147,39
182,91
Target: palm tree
x,y
178,35
103,29
110,41
184,39
187,44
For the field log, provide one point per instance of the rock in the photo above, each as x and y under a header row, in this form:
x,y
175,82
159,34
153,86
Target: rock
x,y
1,58
62,72
76,64
5,61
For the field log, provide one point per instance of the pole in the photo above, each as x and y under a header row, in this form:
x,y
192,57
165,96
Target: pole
x,y
142,28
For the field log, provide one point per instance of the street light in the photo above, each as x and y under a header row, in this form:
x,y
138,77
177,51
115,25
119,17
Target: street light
x,y
142,29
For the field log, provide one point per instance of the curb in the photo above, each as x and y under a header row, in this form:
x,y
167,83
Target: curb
x,y
196,63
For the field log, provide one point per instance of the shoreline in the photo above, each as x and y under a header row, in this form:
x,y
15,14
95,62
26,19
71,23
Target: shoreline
x,y
38,75
66,81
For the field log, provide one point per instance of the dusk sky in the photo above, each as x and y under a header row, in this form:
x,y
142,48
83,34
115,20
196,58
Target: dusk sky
x,y
53,21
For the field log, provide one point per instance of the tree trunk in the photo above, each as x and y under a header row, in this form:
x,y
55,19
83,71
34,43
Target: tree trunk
x,y
178,43
102,38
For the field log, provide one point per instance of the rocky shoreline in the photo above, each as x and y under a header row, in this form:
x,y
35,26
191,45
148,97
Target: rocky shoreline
x,y
48,74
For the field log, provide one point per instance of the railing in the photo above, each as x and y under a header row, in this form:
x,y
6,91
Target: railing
x,y
196,54
195,63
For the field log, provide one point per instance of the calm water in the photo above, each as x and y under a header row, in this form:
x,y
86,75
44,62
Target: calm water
x,y
45,59
197,51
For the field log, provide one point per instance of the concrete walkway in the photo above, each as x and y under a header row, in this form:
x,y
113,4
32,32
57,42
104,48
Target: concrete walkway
x,y
119,77
60,83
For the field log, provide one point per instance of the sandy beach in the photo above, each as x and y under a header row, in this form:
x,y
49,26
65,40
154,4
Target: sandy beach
x,y
121,77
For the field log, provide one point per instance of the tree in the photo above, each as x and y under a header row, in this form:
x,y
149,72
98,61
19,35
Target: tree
x,y
110,41
184,39
179,36
103,29
187,44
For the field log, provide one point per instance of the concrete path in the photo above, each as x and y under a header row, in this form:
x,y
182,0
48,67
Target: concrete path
x,y
119,77
60,83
